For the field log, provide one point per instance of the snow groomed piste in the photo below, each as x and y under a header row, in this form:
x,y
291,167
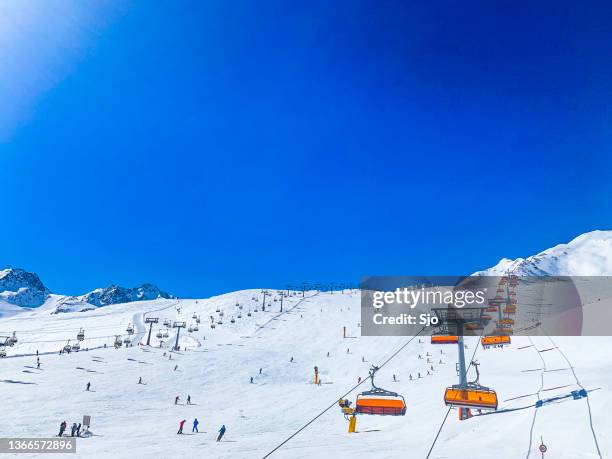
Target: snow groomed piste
x,y
284,411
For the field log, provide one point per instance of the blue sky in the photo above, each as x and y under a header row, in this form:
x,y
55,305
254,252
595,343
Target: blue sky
x,y
212,146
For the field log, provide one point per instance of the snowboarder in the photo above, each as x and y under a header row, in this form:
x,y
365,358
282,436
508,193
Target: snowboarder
x,y
181,424
188,399
88,386
140,380
260,370
221,432
291,360
195,425
62,428
359,380
175,367
176,400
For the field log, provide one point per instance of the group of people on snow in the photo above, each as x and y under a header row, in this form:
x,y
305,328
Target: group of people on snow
x,y
75,430
194,429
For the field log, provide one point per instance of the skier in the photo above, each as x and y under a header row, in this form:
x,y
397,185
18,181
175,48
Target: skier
x,y
260,370
188,399
221,432
328,354
359,380
410,376
78,430
38,365
394,378
291,360
175,367
88,386
181,424
251,380
36,352
140,380
362,358
73,429
62,428
348,350
195,425
176,400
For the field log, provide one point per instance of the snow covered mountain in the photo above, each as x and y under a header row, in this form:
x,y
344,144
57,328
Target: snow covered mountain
x,y
252,370
25,289
115,294
21,288
590,254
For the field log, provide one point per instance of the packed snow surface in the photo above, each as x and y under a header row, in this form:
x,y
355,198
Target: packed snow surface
x,y
214,367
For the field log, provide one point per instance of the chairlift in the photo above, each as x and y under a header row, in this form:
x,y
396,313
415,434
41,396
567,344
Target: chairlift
x,y
502,331
233,320
239,316
218,310
194,316
118,342
472,396
130,329
197,320
159,335
221,314
220,322
12,340
212,325
167,323
195,328
2,353
127,341
76,346
494,341
379,401
67,348
249,313
81,335
443,339
166,334
190,329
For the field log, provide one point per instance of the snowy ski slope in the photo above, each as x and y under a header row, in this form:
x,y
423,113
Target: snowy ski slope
x,y
132,420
